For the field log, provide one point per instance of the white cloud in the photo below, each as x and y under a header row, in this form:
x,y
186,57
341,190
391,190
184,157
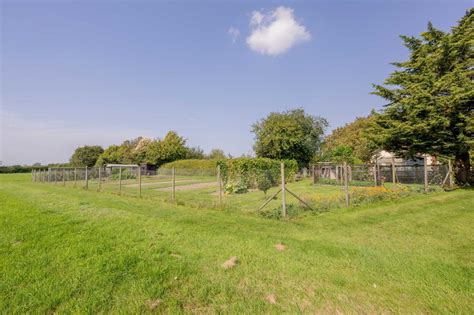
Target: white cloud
x,y
275,32
234,33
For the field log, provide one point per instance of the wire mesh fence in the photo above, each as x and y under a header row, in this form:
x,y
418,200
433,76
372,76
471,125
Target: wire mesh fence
x,y
271,191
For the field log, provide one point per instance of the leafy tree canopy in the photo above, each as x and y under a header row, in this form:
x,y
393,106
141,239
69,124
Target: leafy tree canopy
x,y
356,136
216,154
431,98
292,134
86,155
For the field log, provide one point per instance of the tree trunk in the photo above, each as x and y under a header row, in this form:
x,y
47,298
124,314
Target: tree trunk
x,y
462,168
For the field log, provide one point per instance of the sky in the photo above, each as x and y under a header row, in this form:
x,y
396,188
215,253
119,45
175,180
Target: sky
x,y
76,73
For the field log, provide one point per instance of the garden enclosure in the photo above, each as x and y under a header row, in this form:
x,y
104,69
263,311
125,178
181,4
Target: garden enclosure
x,y
321,187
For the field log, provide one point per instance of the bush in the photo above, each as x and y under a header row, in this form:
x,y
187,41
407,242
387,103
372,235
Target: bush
x,y
255,172
126,174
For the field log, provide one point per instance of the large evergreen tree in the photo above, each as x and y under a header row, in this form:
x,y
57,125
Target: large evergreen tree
x,y
431,101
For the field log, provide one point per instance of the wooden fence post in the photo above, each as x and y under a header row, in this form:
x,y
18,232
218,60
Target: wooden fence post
x,y
64,177
120,180
450,171
173,183
346,184
139,181
99,180
75,176
219,184
87,178
49,175
375,174
394,174
314,174
55,176
425,173
283,190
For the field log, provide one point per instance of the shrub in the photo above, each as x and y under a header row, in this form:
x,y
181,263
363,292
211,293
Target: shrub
x,y
251,171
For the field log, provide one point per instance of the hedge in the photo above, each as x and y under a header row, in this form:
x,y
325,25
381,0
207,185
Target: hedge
x,y
190,167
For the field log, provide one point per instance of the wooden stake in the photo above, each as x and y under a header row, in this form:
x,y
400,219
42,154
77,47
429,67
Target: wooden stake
x,y
450,172
301,200
139,181
219,184
87,178
75,176
346,184
425,173
394,174
100,178
173,183
55,176
283,190
269,199
120,180
64,178
375,174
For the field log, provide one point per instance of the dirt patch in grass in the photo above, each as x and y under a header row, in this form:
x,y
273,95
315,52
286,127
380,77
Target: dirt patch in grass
x,y
230,263
280,247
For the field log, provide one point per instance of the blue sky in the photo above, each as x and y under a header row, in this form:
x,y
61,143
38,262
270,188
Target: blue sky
x,y
99,72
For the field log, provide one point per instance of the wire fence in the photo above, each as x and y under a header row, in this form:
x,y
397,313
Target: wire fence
x,y
272,192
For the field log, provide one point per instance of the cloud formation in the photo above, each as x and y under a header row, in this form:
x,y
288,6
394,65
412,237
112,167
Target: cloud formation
x,y
275,32
234,33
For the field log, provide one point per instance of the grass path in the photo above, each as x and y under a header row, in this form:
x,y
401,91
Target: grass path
x,y
68,250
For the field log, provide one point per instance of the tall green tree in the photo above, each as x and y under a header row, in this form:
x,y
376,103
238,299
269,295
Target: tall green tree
x,y
431,101
86,155
292,134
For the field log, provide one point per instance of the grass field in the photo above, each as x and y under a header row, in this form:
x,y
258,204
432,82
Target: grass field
x,y
68,250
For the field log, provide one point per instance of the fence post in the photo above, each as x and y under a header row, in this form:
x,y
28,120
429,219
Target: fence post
x,y
87,178
450,171
99,178
394,174
375,174
346,184
283,190
139,181
173,183
64,178
219,184
120,180
49,174
55,176
425,173
75,176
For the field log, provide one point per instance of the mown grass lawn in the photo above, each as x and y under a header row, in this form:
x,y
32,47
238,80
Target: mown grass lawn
x,y
68,250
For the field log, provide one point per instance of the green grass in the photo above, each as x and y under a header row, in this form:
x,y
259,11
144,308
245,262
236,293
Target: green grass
x,y
68,250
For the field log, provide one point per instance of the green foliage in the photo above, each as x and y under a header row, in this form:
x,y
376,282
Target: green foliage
x,y
289,135
343,153
265,181
114,154
355,135
247,171
216,154
171,148
194,153
431,103
126,174
86,155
